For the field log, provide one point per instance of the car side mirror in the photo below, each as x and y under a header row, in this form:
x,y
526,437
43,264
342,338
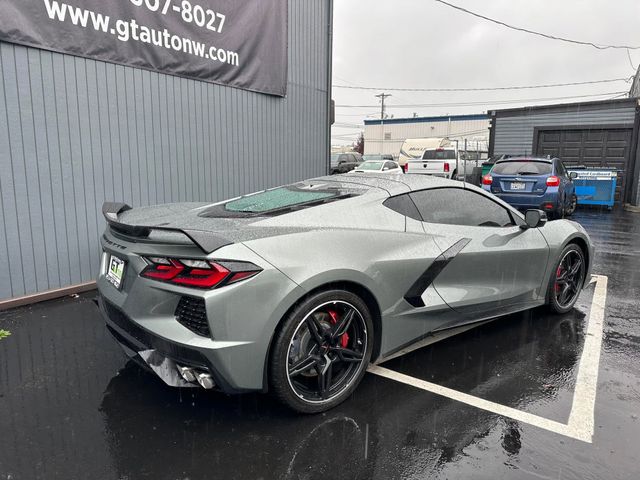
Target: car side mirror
x,y
385,169
573,175
535,218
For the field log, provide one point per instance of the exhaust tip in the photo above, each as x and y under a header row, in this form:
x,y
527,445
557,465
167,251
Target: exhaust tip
x,y
187,374
191,375
206,381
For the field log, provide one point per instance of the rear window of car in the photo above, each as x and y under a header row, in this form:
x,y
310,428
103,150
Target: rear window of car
x,y
278,200
370,166
439,155
522,167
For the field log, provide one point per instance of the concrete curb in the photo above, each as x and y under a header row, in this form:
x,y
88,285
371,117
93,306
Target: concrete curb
x,y
48,295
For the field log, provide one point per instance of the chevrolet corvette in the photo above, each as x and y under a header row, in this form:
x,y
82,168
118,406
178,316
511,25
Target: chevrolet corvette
x,y
297,289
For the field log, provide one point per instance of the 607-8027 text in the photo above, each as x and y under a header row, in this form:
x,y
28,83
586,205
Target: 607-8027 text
x,y
190,13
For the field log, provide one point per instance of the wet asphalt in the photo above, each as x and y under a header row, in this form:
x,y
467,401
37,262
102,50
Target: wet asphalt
x,y
73,407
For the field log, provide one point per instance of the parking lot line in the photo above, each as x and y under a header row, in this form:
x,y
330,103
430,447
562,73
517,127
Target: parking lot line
x,y
581,418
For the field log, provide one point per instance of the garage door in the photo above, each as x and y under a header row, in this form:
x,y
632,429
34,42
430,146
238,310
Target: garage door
x,y
609,148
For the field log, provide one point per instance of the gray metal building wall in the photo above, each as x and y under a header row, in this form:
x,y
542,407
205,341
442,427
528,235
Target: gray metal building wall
x,y
513,129
75,132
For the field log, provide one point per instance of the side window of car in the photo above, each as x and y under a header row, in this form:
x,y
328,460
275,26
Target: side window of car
x,y
561,169
389,165
403,205
457,206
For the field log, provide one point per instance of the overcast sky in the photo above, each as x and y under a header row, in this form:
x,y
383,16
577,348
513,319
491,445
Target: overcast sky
x,y
424,44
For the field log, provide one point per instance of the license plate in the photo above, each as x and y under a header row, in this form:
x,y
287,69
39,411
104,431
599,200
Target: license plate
x,y
517,186
115,271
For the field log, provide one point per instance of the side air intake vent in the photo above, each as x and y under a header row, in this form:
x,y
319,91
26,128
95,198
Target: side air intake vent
x,y
192,313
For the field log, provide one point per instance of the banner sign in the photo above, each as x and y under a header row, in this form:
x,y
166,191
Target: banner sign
x,y
241,43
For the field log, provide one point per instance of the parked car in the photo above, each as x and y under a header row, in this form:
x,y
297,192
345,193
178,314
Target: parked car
x,y
533,182
445,161
378,166
414,148
344,162
251,294
491,161
376,156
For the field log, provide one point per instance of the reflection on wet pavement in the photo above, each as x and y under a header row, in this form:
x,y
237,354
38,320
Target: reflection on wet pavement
x,y
71,406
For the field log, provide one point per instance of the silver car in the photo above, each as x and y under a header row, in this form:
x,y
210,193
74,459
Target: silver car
x,y
297,289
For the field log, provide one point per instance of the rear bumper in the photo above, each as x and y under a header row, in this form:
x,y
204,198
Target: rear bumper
x,y
242,317
134,339
547,201
433,174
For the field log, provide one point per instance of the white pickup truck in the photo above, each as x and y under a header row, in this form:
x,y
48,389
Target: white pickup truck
x,y
445,161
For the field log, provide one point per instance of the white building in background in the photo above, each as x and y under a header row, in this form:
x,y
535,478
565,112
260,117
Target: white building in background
x,y
387,136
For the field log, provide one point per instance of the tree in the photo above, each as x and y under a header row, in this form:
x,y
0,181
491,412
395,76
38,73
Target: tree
x,y
358,145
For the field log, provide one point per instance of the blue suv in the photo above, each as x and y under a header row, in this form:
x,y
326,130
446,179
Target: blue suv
x,y
531,182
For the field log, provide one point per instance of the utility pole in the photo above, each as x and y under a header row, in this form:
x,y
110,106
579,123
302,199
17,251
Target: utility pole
x,y
382,96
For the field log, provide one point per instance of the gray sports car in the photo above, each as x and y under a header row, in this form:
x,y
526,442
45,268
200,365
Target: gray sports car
x,y
297,289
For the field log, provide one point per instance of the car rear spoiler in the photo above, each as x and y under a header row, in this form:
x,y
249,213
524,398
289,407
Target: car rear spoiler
x,y
206,241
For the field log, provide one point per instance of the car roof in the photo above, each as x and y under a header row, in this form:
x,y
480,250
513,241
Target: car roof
x,y
526,159
393,184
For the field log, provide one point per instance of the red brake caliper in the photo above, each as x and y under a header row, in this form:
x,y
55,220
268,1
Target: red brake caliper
x,y
344,338
558,273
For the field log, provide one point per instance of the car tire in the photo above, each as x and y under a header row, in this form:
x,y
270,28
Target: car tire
x,y
571,208
327,367
563,277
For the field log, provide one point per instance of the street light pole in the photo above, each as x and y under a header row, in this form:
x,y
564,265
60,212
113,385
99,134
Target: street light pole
x,y
382,96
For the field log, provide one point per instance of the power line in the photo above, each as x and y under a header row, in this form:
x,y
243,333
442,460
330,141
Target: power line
x,y
363,114
345,137
478,89
630,61
487,102
532,32
622,94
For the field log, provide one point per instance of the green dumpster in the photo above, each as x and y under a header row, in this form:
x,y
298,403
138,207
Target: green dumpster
x,y
486,167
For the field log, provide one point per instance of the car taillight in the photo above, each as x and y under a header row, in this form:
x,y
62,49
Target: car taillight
x,y
405,167
553,181
487,179
198,273
446,166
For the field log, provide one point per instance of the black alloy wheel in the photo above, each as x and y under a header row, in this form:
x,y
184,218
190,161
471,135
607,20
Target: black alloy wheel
x,y
322,351
568,279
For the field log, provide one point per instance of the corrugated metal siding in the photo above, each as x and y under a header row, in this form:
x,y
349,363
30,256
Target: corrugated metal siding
x,y
514,134
76,132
